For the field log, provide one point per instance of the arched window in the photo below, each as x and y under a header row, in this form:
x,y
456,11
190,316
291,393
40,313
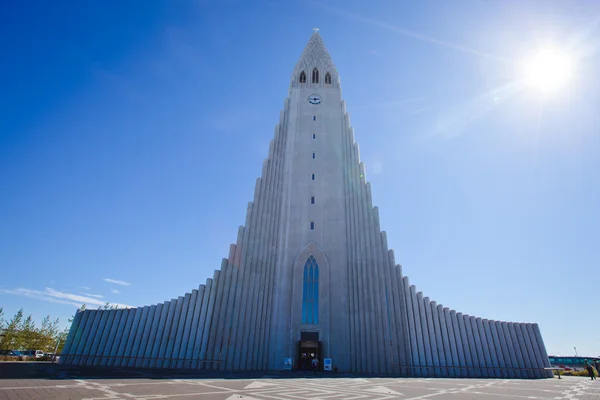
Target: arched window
x,y
328,78
302,78
310,292
315,76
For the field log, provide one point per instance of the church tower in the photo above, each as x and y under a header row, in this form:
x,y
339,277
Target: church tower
x,y
310,276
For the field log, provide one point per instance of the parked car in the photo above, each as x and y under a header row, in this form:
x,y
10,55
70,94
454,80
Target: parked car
x,y
14,353
33,353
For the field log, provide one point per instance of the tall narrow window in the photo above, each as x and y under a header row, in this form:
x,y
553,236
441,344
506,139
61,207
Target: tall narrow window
x,y
314,117
312,225
314,135
328,78
315,76
314,155
313,177
302,78
310,292
312,200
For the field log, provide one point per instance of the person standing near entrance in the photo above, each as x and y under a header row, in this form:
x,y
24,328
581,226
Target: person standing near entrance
x,y
590,369
315,364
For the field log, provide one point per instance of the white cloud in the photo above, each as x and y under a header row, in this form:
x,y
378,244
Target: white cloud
x,y
115,291
116,281
98,296
55,296
85,287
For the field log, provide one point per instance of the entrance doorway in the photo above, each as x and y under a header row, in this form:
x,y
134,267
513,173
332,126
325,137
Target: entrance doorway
x,y
309,348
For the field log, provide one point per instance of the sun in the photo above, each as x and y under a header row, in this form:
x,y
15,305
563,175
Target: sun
x,y
548,69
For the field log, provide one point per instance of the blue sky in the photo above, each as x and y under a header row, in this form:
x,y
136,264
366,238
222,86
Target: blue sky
x,y
131,135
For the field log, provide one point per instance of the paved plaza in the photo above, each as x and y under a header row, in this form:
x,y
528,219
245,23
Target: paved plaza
x,y
103,384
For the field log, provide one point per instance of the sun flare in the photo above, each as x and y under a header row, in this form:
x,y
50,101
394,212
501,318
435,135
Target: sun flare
x,y
548,69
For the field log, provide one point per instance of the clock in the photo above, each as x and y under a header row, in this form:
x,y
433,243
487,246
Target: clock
x,y
314,99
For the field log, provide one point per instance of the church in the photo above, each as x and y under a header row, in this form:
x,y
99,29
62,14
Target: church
x,y
310,276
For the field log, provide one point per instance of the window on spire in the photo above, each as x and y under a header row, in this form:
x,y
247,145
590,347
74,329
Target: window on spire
x,y
310,292
302,78
315,76
328,78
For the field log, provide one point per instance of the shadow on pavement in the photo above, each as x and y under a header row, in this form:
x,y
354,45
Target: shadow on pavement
x,y
47,370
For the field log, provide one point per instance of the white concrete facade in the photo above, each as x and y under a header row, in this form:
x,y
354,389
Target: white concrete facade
x,y
312,200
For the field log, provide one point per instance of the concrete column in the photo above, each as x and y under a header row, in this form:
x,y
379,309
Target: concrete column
x,y
100,339
256,316
525,349
386,299
220,313
405,348
123,333
517,349
542,347
208,321
77,342
200,332
372,356
215,335
439,341
280,141
233,261
468,344
71,343
189,352
452,344
508,372
396,314
486,348
254,333
138,337
446,354
116,342
478,347
361,318
248,300
245,274
183,319
187,326
497,357
131,337
97,316
432,337
85,332
514,363
110,335
426,335
461,351
532,348
232,347
154,319
377,289
412,332
161,361
160,336
354,342
173,324
418,332
145,339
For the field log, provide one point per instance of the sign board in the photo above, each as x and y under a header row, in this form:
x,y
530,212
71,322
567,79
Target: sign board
x,y
327,364
287,363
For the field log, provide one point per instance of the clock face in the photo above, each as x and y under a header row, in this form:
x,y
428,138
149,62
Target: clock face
x,y
314,99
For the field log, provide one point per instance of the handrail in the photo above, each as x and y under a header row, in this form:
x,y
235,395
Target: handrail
x,y
84,358
448,367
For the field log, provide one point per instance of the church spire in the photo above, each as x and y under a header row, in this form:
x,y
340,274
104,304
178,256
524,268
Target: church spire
x,y
315,67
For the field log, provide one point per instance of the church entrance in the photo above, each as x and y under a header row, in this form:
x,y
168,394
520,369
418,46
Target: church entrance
x,y
309,348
